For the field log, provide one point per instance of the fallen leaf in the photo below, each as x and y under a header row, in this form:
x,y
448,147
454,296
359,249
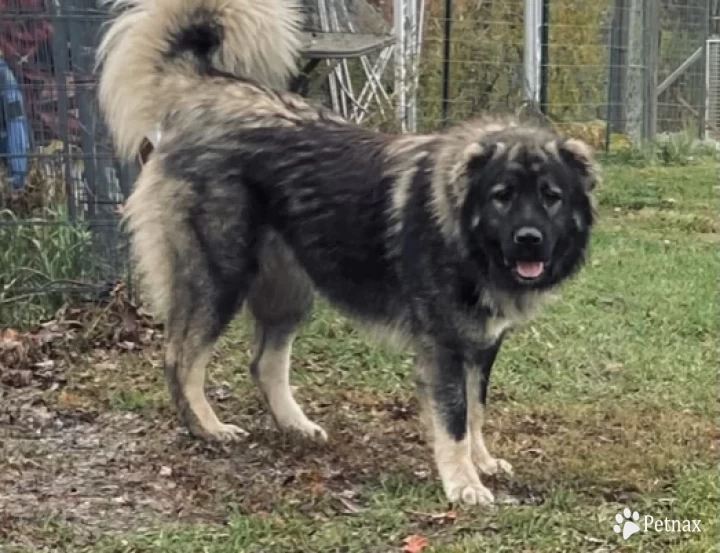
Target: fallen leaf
x,y
414,544
447,517
349,507
9,335
536,451
69,399
45,364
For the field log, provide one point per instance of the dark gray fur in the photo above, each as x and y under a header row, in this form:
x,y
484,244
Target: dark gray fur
x,y
414,234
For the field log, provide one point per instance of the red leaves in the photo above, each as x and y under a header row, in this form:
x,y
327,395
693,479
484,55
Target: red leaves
x,y
414,544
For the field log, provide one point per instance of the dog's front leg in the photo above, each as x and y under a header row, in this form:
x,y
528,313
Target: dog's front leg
x,y
478,380
443,391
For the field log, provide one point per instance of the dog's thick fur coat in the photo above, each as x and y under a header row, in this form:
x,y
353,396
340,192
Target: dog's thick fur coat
x,y
255,196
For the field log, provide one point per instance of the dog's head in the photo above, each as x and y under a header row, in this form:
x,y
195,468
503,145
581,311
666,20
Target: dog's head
x,y
528,211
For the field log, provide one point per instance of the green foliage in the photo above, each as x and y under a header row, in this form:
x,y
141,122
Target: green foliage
x,y
487,59
39,254
577,57
676,149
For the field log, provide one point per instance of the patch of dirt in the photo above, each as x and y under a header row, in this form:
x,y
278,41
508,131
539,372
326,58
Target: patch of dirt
x,y
85,471
71,457
104,472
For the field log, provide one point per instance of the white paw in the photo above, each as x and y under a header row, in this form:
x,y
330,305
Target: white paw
x,y
492,466
225,433
469,493
307,429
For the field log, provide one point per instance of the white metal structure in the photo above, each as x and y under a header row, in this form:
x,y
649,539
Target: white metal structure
x,y
347,98
532,51
408,18
712,76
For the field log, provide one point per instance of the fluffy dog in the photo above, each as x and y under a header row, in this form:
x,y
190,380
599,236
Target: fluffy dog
x,y
254,196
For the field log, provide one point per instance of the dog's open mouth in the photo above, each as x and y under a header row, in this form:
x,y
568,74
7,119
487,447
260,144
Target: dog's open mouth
x,y
529,270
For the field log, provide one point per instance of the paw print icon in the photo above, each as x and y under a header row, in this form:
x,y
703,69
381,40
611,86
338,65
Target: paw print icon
x,y
627,523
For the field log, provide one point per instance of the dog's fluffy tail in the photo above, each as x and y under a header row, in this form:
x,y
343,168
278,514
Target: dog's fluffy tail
x,y
156,51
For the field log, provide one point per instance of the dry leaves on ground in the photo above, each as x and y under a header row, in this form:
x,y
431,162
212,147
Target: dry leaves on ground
x,y
414,544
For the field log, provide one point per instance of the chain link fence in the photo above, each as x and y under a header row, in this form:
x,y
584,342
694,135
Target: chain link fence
x,y
611,70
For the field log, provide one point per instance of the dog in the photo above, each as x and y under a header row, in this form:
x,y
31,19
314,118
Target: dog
x,y
256,197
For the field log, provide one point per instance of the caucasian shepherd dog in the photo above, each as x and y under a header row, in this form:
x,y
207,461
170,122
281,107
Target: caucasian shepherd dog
x,y
255,196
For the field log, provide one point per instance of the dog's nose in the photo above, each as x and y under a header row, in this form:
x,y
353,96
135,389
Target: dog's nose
x,y
528,236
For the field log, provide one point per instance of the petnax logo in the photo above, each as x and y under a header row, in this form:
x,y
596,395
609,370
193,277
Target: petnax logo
x,y
629,522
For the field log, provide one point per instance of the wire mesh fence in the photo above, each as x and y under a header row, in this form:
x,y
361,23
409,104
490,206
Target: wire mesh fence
x,y
610,69
683,30
484,70
630,67
486,57
61,188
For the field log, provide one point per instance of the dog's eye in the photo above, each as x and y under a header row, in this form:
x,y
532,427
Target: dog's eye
x,y
551,194
501,194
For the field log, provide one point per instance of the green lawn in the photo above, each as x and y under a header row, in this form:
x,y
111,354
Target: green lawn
x,y
606,400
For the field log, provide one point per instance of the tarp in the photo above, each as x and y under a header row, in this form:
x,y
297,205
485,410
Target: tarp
x,y
14,131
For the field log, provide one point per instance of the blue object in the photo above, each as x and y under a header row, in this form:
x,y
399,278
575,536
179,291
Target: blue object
x,y
14,130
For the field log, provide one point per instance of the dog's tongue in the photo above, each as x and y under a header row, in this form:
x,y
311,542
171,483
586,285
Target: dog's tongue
x,y
530,269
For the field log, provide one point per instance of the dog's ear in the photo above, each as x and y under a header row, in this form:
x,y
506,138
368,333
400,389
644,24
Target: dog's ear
x,y
473,158
476,156
579,156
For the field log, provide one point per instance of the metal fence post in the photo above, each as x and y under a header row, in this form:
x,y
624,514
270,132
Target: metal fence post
x,y
651,25
532,53
544,56
447,30
61,65
618,70
702,118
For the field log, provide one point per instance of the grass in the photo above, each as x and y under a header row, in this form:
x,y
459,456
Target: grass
x,y
40,253
606,400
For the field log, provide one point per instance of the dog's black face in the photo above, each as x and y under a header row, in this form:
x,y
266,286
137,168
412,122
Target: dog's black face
x,y
528,213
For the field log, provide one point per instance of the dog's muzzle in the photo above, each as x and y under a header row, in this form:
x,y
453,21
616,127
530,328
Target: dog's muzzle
x,y
528,255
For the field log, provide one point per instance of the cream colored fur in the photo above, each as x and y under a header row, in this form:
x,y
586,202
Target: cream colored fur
x,y
140,86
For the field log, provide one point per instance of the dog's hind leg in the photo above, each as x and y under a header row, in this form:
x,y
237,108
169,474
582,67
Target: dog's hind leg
x,y
197,265
478,380
185,367
200,309
280,299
